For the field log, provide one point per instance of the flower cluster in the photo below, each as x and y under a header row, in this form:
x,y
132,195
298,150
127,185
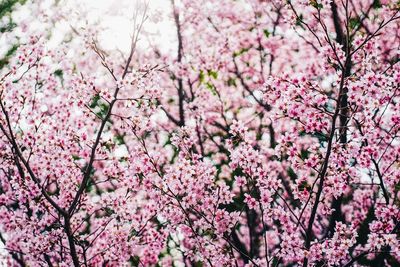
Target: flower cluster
x,y
268,136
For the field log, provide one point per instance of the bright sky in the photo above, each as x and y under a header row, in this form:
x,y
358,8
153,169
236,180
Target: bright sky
x,y
113,15
118,20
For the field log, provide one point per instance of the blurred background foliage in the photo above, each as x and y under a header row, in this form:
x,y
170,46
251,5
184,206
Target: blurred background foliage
x,y
7,24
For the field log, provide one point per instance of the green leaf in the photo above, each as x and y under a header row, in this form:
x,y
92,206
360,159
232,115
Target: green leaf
x,y
8,27
304,185
10,52
376,4
95,100
6,6
304,154
266,33
231,82
299,20
201,76
354,23
119,139
213,74
58,73
240,52
134,260
315,4
212,88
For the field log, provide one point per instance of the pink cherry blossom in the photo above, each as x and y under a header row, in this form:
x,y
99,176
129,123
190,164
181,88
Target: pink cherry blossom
x,y
268,135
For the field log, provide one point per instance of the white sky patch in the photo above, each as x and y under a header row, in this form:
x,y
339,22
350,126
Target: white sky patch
x,y
116,16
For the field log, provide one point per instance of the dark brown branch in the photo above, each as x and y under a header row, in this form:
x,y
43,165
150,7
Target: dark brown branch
x,y
382,185
247,88
181,93
342,39
11,139
322,173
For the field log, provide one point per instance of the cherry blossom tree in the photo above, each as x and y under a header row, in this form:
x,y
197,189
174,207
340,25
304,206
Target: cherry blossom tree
x,y
267,136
